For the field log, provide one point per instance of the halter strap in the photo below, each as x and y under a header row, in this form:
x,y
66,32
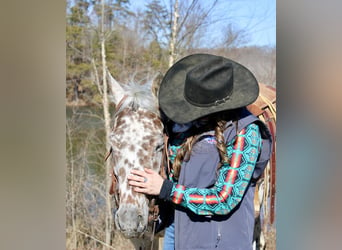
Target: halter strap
x,y
118,106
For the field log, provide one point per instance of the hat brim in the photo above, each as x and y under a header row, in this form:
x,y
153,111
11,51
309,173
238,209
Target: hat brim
x,y
171,92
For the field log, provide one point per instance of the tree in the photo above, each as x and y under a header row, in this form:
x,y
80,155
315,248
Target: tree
x,y
174,31
176,27
107,119
233,37
157,21
77,51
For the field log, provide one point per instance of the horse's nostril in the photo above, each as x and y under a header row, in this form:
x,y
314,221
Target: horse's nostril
x,y
140,223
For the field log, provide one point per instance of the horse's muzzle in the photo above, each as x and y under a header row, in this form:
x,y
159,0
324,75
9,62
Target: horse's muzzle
x,y
130,221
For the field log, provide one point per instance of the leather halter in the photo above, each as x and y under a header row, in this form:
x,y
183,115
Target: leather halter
x,y
113,190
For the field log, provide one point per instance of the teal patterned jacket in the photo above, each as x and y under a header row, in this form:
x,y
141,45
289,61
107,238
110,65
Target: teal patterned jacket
x,y
232,179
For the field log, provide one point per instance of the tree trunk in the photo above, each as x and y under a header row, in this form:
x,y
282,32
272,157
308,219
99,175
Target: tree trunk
x,y
172,53
76,91
72,192
106,114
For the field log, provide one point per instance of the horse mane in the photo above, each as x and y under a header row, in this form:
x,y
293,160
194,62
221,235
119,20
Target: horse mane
x,y
139,95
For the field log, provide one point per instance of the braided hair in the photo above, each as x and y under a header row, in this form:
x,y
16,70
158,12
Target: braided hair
x,y
216,122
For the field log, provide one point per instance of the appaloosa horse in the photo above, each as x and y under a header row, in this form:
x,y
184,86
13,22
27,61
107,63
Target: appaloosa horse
x,y
136,143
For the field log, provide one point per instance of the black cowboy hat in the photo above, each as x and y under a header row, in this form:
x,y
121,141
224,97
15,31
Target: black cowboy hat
x,y
203,84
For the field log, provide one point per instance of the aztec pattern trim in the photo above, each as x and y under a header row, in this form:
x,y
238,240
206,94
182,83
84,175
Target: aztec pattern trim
x,y
232,180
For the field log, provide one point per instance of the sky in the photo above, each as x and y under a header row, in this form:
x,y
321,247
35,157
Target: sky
x,y
257,17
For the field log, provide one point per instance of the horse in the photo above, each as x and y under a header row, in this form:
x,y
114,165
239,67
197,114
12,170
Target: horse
x,y
137,142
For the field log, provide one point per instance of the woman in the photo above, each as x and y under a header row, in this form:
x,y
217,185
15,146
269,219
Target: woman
x,y
217,151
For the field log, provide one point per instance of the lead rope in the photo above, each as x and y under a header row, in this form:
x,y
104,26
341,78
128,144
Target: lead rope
x,y
165,159
155,219
164,164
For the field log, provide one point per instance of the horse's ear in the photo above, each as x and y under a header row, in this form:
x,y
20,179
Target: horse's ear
x,y
116,89
156,83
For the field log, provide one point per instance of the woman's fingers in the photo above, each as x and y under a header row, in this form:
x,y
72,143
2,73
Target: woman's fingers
x,y
137,183
147,181
138,172
137,176
139,190
149,171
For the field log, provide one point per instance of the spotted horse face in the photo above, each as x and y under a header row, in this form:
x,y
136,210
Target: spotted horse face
x,y
137,143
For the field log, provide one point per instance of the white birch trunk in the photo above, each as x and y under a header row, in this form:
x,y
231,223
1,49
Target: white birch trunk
x,y
172,44
106,114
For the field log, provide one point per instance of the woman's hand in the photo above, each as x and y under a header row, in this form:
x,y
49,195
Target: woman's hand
x,y
147,182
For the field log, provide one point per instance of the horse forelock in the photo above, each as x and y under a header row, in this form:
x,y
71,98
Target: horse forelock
x,y
139,95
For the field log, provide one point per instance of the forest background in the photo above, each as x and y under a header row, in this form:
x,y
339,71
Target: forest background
x,y
134,42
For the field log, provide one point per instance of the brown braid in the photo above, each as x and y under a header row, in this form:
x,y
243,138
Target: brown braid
x,y
218,121
183,151
221,145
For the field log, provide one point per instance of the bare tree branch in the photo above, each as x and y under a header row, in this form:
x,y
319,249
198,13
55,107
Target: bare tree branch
x,y
97,240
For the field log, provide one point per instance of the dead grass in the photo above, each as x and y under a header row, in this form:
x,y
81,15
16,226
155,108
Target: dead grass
x,y
271,239
121,243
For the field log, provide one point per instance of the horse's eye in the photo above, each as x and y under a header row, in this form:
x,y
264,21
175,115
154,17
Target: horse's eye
x,y
160,147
